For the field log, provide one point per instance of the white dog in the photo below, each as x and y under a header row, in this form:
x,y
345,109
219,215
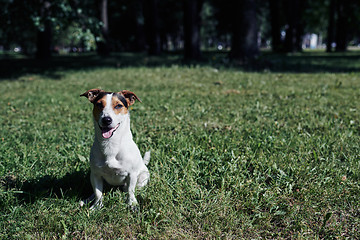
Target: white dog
x,y
114,156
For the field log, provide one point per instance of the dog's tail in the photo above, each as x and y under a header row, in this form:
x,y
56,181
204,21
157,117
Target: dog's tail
x,y
146,158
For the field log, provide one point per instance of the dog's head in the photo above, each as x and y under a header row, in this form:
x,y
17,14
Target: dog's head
x,y
110,108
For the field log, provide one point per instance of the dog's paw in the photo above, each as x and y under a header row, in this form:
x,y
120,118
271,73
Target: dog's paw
x,y
133,205
134,208
97,206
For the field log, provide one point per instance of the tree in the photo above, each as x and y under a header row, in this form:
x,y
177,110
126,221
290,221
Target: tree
x,y
44,34
34,24
330,29
245,30
171,26
342,25
18,26
103,47
152,26
294,29
275,25
347,23
140,38
192,10
127,25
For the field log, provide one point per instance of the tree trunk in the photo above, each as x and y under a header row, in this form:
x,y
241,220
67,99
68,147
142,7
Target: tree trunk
x,y
152,27
244,40
192,10
140,39
330,30
43,43
103,46
275,25
341,27
294,30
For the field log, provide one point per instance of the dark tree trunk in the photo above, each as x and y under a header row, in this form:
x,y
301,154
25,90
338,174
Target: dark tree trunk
x,y
44,39
275,25
43,43
330,30
140,39
192,10
152,27
244,40
341,27
294,28
103,47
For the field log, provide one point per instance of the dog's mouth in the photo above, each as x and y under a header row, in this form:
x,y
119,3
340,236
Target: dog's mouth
x,y
108,132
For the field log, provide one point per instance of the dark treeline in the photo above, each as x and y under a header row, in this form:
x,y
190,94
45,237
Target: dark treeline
x,y
40,27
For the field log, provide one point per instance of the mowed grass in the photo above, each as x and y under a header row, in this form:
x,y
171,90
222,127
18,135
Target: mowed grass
x,y
234,155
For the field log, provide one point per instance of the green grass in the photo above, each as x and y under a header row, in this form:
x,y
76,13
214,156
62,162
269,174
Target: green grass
x,y
235,153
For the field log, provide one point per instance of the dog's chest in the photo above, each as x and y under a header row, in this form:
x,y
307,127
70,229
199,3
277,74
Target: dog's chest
x,y
112,171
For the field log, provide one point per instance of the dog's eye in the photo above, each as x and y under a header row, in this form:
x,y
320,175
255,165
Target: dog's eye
x,y
118,106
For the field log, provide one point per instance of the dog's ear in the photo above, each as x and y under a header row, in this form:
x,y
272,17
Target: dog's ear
x,y
130,97
92,94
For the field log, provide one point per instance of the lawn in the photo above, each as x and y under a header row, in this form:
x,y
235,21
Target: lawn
x,y
266,150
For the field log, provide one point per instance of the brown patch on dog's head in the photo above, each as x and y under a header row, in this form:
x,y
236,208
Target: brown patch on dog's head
x,y
120,101
99,105
98,98
130,97
119,104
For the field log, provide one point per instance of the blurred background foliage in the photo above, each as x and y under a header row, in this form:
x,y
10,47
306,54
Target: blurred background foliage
x,y
43,28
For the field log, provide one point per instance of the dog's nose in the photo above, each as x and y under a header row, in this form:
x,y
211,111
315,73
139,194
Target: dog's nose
x,y
106,121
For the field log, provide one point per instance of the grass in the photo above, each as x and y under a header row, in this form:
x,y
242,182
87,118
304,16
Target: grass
x,y
272,153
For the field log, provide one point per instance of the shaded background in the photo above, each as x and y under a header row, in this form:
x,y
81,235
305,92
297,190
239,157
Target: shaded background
x,y
240,28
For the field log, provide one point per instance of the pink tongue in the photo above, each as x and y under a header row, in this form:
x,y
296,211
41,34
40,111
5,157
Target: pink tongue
x,y
108,133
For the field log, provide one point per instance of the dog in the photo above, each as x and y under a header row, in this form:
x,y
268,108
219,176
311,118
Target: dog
x,y
114,156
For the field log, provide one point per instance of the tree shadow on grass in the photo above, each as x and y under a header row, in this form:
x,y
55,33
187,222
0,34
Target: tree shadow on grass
x,y
72,185
56,67
312,62
307,62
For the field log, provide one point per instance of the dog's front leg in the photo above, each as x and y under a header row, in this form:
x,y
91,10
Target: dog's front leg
x,y
97,184
131,191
